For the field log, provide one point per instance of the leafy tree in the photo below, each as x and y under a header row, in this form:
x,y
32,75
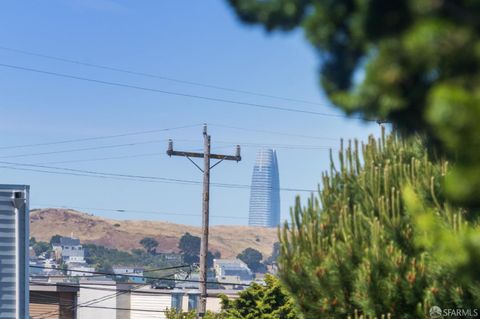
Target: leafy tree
x,y
150,244
97,255
55,239
413,62
190,244
173,314
252,258
275,253
267,301
32,241
41,247
104,266
190,248
379,238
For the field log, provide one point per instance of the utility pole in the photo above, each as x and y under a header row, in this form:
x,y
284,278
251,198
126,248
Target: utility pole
x,y
206,155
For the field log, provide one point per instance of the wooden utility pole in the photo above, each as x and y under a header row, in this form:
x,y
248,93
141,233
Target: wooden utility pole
x,y
206,155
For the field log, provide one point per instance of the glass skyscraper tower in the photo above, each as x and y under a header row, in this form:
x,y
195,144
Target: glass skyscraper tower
x,y
265,191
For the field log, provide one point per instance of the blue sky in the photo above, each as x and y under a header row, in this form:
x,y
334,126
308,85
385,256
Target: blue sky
x,y
187,40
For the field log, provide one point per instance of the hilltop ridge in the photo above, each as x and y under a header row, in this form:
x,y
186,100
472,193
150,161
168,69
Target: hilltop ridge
x,y
126,234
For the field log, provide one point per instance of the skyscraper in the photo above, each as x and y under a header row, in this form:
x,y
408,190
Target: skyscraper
x,y
265,191
14,242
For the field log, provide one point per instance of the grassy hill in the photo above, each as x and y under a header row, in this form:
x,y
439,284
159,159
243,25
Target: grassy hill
x,y
126,234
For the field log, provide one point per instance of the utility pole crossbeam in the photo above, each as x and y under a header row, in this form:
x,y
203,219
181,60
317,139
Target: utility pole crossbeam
x,y
206,155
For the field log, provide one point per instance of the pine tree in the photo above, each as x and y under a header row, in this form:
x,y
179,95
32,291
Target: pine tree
x,y
267,301
361,248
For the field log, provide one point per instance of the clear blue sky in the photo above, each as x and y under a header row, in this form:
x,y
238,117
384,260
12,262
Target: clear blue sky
x,y
200,41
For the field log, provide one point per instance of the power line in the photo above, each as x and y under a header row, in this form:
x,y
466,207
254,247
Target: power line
x,y
99,137
117,293
82,149
104,158
279,146
151,75
93,148
136,211
79,172
141,277
181,94
93,286
88,304
104,298
274,132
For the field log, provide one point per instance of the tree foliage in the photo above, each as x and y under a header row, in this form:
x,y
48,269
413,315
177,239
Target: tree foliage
x,y
253,259
41,247
55,239
100,255
174,314
260,302
414,62
381,238
275,253
150,244
189,245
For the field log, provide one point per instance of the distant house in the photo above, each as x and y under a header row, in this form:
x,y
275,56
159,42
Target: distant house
x,y
232,271
129,274
80,270
69,250
192,281
172,257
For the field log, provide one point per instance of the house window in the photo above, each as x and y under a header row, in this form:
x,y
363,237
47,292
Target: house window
x,y
192,302
177,301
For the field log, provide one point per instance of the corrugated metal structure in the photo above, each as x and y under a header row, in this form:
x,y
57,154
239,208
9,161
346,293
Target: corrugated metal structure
x,y
14,243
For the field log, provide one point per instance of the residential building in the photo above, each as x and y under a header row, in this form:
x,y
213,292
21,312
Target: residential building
x,y
231,272
14,251
129,274
191,281
80,270
265,191
69,250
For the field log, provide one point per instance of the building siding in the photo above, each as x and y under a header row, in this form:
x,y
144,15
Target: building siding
x,y
155,304
14,230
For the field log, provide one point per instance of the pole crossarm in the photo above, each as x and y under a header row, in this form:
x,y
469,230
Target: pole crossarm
x,y
236,158
201,170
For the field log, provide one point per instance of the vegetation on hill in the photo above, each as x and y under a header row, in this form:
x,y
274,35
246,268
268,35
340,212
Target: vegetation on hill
x,y
150,244
40,247
189,245
101,256
102,231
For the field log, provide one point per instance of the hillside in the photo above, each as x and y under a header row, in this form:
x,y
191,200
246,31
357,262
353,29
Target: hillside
x,y
126,234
